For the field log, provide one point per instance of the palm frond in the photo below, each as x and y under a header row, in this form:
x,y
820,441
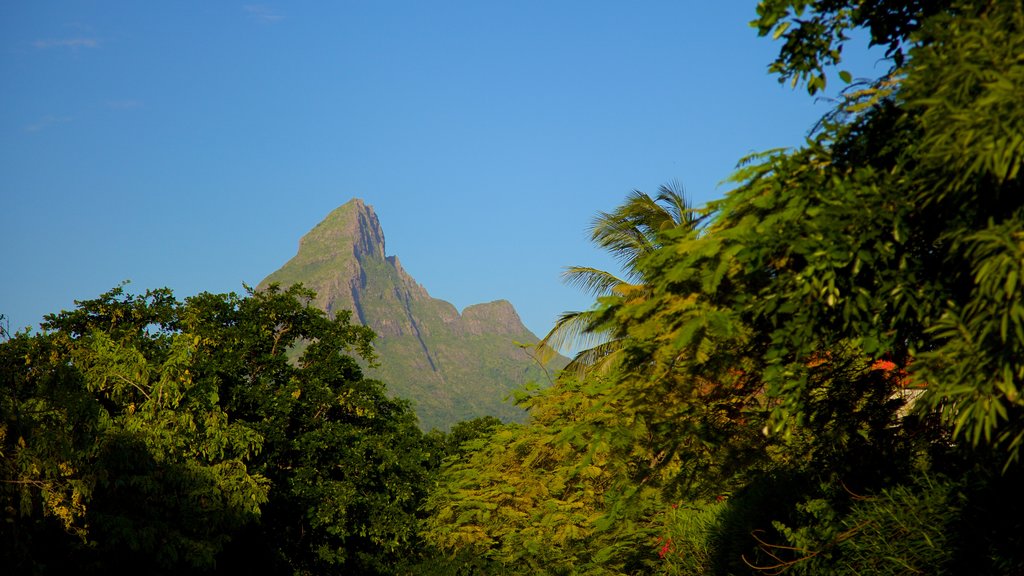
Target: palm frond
x,y
627,247
620,237
591,281
633,230
572,330
646,214
599,359
674,196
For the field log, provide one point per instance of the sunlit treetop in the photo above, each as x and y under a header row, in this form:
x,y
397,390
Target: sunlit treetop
x,y
813,33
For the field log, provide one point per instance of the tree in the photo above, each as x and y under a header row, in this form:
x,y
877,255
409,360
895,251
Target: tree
x,y
347,465
529,499
838,350
220,431
862,292
629,233
112,445
814,42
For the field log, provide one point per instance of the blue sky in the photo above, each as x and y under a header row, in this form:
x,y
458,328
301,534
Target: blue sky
x,y
191,144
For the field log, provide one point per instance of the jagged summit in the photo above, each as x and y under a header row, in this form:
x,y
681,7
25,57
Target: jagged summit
x,y
452,366
333,257
352,225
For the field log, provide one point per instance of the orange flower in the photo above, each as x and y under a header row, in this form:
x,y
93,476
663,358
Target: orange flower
x,y
884,365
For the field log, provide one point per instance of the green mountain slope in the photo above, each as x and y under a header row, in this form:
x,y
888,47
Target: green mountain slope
x,y
452,366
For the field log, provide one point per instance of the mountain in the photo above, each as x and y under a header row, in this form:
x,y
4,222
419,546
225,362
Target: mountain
x,y
452,366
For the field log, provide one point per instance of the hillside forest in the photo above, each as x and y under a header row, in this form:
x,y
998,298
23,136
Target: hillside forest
x,y
819,373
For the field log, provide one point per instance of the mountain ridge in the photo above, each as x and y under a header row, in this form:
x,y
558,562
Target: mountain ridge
x,y
452,365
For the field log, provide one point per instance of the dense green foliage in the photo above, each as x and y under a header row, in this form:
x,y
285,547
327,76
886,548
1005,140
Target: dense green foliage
x,y
826,377
820,373
629,233
185,436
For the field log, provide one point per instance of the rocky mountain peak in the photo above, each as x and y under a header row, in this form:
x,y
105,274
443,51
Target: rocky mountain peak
x,y
452,366
352,226
497,317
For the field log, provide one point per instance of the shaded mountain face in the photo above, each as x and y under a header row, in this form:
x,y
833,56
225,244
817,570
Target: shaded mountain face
x,y
452,366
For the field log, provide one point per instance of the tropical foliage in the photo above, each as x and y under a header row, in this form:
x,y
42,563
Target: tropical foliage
x,y
820,374
629,233
178,436
825,378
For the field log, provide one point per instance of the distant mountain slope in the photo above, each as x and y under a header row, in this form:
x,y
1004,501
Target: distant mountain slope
x,y
452,366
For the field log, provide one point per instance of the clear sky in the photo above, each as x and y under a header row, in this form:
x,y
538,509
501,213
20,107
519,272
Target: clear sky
x,y
190,144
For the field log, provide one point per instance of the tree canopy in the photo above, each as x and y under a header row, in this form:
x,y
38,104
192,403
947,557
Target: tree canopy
x,y
222,432
826,377
629,234
822,377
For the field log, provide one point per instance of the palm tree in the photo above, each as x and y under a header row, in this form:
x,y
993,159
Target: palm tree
x,y
632,231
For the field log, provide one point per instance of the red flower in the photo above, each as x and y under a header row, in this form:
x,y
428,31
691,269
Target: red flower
x,y
664,549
